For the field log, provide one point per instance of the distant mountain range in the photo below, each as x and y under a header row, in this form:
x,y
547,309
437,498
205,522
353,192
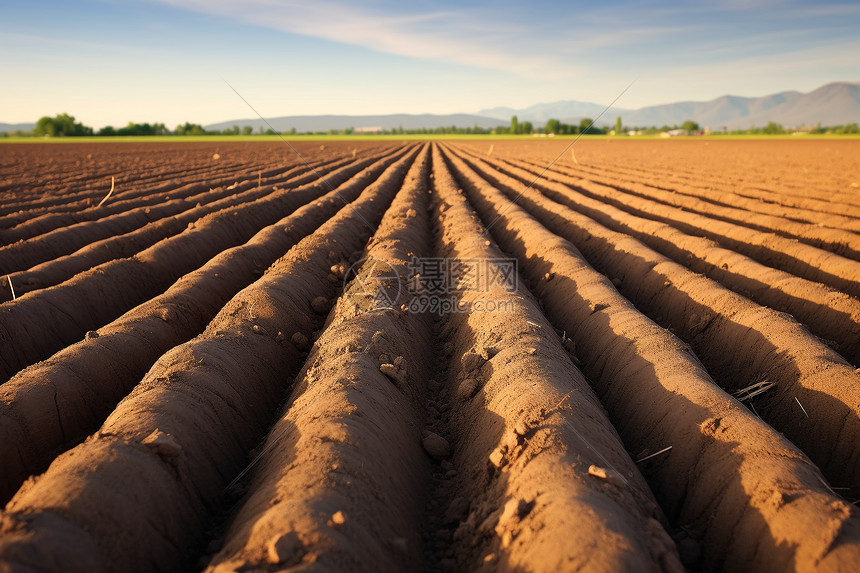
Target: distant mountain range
x,y
833,104
8,127
339,122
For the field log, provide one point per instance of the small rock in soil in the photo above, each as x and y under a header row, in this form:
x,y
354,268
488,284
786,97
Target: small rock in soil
x,y
320,305
468,388
521,428
395,374
497,458
92,334
337,519
515,510
300,340
435,445
471,361
162,444
602,473
489,352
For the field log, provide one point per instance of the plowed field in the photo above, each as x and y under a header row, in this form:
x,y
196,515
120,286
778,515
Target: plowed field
x,y
449,356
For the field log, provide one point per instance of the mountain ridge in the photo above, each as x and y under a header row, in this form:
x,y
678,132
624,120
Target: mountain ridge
x,y
832,104
835,103
340,122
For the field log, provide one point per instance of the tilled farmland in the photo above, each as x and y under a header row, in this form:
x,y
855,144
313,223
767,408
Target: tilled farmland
x,y
449,356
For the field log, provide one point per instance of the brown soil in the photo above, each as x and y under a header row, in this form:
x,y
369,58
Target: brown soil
x,y
228,366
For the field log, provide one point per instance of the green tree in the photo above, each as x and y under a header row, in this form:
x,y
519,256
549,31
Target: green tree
x,y
143,129
618,126
552,126
690,125
773,129
526,127
190,129
515,125
247,130
586,125
62,124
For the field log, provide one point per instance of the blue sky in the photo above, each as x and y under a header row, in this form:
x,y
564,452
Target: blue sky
x,y
112,61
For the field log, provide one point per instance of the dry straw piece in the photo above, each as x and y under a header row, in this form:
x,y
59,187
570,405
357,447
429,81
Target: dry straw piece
x,y
109,193
9,280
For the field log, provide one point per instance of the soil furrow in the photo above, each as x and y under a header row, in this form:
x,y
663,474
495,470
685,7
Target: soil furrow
x,y
536,461
89,378
814,211
169,449
740,342
46,247
769,249
351,430
79,202
33,224
682,166
830,314
63,268
98,296
726,471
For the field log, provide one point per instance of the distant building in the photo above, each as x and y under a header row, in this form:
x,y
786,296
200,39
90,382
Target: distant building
x,y
674,133
372,129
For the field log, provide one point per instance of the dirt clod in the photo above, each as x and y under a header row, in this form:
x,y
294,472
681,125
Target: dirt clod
x,y
300,341
468,388
286,549
338,518
320,305
163,444
472,361
436,446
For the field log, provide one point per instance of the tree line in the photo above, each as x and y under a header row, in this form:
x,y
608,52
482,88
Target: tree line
x,y
64,125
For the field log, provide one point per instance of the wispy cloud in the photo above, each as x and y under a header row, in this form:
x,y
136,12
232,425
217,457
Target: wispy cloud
x,y
546,40
450,35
